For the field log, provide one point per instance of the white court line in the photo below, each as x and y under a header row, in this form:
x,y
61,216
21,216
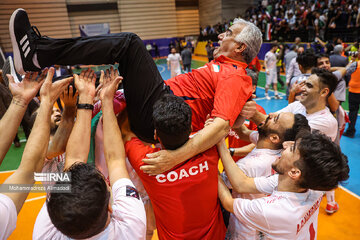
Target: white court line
x,y
7,171
162,68
350,192
34,199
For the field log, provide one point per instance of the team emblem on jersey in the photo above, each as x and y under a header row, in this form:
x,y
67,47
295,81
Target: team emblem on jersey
x,y
132,192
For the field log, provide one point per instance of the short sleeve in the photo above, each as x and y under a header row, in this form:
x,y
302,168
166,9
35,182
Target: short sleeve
x,y
251,213
8,216
231,94
254,137
136,151
267,184
338,75
128,210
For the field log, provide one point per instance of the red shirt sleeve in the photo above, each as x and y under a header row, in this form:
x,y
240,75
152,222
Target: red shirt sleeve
x,y
136,151
231,94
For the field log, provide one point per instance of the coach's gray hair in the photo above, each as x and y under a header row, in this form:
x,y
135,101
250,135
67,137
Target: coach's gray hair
x,y
251,36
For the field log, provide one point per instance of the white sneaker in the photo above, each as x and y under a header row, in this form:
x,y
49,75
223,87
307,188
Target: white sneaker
x,y
267,97
278,97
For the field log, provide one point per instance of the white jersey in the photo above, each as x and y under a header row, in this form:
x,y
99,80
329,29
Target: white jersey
x,y
270,59
174,60
256,164
282,215
128,220
8,216
321,120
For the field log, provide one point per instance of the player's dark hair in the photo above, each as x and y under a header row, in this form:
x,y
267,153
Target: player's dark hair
x,y
307,59
274,45
322,55
323,166
326,79
83,212
172,121
300,125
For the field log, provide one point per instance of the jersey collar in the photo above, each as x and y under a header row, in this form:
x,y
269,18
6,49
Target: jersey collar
x,y
223,59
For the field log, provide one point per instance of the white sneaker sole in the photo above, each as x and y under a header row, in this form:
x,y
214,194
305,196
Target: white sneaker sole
x,y
17,57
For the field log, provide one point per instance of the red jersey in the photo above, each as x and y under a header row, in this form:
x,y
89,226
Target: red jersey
x,y
185,199
255,62
235,142
220,88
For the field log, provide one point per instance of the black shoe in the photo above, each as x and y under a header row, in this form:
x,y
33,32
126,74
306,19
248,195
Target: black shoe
x,y
8,68
349,134
23,38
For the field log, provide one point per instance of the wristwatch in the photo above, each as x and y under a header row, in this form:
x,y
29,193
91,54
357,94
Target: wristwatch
x,y
85,106
232,151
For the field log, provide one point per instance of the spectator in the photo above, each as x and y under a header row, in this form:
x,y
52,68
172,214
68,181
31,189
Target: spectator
x,y
156,50
210,50
354,97
186,59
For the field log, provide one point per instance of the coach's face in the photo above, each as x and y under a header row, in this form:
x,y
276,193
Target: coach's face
x,y
227,44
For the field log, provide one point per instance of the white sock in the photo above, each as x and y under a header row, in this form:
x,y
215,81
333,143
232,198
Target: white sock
x,y
35,61
276,93
266,94
330,197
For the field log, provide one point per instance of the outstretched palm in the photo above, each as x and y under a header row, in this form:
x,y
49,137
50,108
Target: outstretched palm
x,y
27,89
110,84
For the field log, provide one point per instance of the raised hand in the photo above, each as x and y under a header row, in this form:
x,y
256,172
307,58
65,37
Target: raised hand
x,y
85,84
51,91
27,89
110,84
68,97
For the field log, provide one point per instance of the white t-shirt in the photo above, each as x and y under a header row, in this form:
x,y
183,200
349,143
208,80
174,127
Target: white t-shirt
x,y
8,216
321,120
270,59
174,60
283,215
128,220
256,164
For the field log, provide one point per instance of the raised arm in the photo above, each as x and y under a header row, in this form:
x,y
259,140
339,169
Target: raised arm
x,y
36,147
164,160
57,144
239,181
225,196
78,146
22,93
113,144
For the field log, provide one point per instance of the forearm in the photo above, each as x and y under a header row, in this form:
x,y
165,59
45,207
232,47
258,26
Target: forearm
x,y
58,143
243,151
78,146
9,125
258,117
203,140
33,156
239,181
225,197
113,144
342,70
243,133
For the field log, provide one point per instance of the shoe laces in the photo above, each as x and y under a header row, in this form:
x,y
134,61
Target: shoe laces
x,y
35,32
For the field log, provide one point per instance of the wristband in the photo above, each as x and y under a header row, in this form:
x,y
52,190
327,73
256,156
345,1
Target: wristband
x,y
232,151
85,106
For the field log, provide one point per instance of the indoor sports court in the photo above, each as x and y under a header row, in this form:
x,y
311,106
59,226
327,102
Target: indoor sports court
x,y
195,25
